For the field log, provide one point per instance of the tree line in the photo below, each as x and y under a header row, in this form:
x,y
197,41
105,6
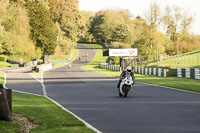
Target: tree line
x,y
119,29
39,27
52,27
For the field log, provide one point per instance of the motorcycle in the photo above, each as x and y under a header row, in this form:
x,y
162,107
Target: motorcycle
x,y
125,86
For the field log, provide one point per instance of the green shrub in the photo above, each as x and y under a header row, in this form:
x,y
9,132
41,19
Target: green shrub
x,y
3,58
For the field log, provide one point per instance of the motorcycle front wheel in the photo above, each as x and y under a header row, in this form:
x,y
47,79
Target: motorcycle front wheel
x,y
119,93
126,90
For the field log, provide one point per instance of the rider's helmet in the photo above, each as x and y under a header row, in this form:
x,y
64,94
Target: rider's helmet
x,y
128,69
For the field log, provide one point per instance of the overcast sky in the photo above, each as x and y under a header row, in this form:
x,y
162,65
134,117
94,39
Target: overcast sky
x,y
139,7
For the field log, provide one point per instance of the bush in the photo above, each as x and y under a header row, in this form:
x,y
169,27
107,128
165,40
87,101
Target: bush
x,y
3,58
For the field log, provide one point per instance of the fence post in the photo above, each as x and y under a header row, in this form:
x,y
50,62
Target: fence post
x,y
146,70
197,73
159,72
154,71
142,70
150,71
135,69
179,72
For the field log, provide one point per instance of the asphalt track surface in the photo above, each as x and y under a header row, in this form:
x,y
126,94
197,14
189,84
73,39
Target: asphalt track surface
x,y
94,98
147,109
23,82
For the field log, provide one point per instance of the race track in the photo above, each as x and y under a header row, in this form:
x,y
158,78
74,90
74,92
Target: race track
x,y
147,109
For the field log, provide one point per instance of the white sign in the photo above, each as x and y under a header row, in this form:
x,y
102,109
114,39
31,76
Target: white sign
x,y
122,52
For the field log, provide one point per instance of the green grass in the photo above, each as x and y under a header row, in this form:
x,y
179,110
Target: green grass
x,y
49,116
174,82
99,58
187,60
4,64
44,113
17,58
1,77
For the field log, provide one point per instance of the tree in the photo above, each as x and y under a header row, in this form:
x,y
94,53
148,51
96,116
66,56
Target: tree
x,y
105,23
43,29
122,33
15,30
95,26
68,19
177,24
142,44
67,15
86,36
186,22
153,19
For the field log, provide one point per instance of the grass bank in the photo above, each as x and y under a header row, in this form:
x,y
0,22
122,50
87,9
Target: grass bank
x,y
42,112
4,64
187,60
179,83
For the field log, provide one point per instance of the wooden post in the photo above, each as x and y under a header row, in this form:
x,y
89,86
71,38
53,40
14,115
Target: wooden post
x,y
6,104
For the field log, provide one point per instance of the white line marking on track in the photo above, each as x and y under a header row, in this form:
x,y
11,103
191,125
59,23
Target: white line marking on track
x,y
42,83
86,124
5,76
27,93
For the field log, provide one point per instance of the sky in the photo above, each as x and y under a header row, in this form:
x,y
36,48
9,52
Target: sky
x,y
139,7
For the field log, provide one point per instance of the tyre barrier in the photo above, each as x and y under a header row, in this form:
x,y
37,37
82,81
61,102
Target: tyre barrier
x,y
43,67
193,73
152,71
110,67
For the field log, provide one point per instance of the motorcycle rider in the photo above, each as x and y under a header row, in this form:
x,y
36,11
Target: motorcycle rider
x,y
128,71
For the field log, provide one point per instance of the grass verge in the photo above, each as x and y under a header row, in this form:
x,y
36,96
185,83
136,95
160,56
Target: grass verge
x,y
4,64
174,82
1,77
42,112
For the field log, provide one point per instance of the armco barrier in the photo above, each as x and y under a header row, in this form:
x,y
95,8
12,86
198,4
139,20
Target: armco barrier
x,y
110,67
151,71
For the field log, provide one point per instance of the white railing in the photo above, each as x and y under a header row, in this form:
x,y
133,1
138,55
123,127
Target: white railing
x,y
151,71
110,67
188,73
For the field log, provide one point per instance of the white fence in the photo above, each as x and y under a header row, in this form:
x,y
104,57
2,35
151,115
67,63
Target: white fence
x,y
44,67
188,73
110,67
151,71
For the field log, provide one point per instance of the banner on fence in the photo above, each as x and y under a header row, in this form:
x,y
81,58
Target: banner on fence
x,y
122,52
